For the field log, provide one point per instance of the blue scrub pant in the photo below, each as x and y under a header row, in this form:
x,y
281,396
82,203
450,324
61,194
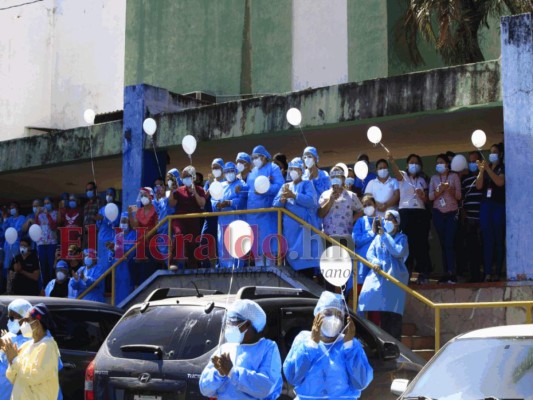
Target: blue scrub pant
x,y
47,255
492,223
446,226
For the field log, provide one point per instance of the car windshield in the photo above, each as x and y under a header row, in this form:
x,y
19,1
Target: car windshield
x,y
166,332
478,368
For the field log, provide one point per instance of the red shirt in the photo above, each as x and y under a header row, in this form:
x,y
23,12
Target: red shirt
x,y
146,219
186,201
72,217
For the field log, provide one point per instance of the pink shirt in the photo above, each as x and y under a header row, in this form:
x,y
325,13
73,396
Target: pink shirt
x,y
339,221
447,202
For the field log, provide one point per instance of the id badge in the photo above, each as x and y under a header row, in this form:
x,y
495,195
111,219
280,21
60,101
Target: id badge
x,y
489,193
442,202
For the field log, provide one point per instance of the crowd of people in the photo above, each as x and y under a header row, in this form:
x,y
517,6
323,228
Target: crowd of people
x,y
385,217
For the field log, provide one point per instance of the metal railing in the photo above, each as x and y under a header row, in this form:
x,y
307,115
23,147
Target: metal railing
x,y
437,307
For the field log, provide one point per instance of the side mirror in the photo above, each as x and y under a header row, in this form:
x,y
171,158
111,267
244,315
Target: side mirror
x,y
390,351
399,386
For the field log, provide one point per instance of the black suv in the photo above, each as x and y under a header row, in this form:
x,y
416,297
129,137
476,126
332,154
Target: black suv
x,y
159,348
82,326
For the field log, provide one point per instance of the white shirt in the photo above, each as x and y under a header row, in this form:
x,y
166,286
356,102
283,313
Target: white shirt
x,y
408,196
382,192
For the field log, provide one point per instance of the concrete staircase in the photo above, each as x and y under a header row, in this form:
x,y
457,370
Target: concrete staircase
x,y
424,346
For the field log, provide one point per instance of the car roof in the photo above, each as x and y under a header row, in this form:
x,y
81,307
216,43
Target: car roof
x,y
62,302
508,331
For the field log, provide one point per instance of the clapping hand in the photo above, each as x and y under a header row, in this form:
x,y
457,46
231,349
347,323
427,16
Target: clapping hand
x,y
315,330
222,364
10,349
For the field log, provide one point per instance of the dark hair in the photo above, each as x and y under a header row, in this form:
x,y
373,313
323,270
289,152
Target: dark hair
x,y
281,158
91,183
380,161
363,157
413,155
368,197
445,158
499,146
450,154
477,153
26,239
159,178
199,177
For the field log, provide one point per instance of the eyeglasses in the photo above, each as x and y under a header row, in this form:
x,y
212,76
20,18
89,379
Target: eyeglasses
x,y
11,318
238,324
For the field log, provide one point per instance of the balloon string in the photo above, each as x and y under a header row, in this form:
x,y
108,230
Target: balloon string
x,y
91,150
156,158
303,135
382,145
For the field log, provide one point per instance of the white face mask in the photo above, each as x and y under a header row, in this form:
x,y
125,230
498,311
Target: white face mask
x,y
187,181
309,162
258,163
23,250
331,326
294,175
61,276
369,211
170,184
389,226
145,201
233,334
230,176
383,173
217,173
13,326
109,198
26,330
240,167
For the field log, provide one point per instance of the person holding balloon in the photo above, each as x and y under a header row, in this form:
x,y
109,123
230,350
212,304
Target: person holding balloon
x,y
445,192
384,189
106,222
300,198
230,195
12,226
264,182
491,179
320,178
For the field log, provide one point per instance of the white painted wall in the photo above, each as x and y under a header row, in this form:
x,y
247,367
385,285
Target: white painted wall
x,y
319,43
57,58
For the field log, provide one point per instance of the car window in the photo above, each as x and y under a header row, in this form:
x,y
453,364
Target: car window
x,y
83,330
176,332
478,369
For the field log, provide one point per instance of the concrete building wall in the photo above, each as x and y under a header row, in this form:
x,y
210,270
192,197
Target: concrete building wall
x,y
57,58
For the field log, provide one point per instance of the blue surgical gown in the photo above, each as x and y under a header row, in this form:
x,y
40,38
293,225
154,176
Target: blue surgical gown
x,y
321,182
11,250
124,241
238,202
256,373
302,252
106,233
163,209
327,371
378,293
362,236
91,275
265,223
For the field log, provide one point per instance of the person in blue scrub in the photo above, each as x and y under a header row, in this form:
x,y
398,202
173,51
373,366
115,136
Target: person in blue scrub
x,y
300,198
87,275
106,231
389,251
244,166
163,209
16,221
59,287
124,241
328,362
233,198
17,310
264,224
247,366
320,178
211,223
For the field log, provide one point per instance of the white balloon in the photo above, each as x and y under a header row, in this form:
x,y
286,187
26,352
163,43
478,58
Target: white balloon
x,y
344,168
459,163
294,116
11,235
189,144
149,126
479,138
111,211
261,184
36,233
374,134
336,265
238,238
361,170
216,190
89,116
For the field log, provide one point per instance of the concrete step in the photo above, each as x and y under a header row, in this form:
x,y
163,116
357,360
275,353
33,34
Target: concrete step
x,y
425,354
419,342
409,329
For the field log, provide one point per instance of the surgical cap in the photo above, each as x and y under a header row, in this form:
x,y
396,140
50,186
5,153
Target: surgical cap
x,y
62,265
19,306
248,310
90,253
311,150
260,150
174,172
242,156
297,163
329,300
147,191
229,166
191,171
395,214
219,162
111,191
124,214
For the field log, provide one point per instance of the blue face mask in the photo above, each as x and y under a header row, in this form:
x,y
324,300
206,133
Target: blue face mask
x,y
441,168
35,209
349,181
187,181
493,157
72,204
472,167
13,211
48,206
414,169
90,194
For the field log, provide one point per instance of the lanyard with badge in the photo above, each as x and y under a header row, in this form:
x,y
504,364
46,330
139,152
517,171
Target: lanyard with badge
x,y
442,202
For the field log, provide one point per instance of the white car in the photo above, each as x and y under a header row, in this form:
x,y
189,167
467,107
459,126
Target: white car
x,y
491,363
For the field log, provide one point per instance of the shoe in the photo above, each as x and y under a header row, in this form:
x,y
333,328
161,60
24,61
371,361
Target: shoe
x,y
487,278
452,279
444,279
